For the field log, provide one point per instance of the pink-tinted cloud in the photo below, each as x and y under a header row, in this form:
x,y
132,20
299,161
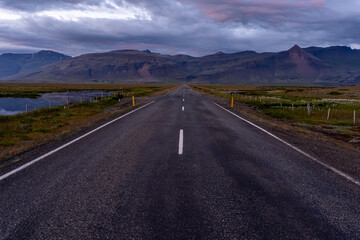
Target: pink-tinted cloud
x,y
317,3
234,9
196,27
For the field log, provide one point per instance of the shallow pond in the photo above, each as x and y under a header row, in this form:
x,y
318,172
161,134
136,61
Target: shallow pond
x,y
12,106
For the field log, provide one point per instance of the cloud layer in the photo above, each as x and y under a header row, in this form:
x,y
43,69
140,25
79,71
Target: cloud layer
x,y
195,27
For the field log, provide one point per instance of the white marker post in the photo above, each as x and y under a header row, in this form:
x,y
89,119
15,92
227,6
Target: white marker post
x,y
328,116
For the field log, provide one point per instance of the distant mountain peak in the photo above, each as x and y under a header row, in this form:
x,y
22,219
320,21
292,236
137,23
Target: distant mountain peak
x,y
296,48
297,52
219,53
46,51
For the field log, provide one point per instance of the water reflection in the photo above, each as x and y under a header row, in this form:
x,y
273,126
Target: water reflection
x,y
11,106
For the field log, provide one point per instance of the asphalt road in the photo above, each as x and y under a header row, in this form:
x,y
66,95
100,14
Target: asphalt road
x,y
128,181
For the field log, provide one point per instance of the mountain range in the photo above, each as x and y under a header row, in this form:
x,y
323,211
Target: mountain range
x,y
336,65
12,64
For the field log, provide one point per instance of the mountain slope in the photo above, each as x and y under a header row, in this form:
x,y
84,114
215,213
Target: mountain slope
x,y
340,56
297,66
288,67
116,66
11,64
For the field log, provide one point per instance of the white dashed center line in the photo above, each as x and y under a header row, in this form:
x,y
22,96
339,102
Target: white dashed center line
x,y
183,108
181,142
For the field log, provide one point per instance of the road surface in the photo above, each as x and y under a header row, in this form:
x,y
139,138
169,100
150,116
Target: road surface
x,y
179,168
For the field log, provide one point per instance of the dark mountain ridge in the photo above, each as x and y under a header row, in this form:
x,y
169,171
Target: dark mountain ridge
x,y
296,66
11,63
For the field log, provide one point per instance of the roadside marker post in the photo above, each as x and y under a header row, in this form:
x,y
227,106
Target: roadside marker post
x,y
354,117
328,115
232,102
133,101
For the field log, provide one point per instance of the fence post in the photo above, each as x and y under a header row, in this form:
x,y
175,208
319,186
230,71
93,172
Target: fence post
x,y
292,106
26,107
309,109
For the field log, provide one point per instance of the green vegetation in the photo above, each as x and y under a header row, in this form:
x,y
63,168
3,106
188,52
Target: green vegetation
x,y
19,95
22,131
335,93
33,90
291,103
7,143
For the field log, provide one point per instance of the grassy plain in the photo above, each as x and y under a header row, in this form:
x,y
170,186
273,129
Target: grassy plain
x,y
34,90
23,131
291,104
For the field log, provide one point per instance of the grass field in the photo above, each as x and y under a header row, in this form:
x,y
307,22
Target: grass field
x,y
33,90
292,103
23,131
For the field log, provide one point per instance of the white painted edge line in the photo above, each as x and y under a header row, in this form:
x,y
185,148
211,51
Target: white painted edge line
x,y
69,143
196,93
183,108
349,178
181,141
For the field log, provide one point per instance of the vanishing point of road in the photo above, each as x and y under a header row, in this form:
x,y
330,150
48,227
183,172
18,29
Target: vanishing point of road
x,y
178,168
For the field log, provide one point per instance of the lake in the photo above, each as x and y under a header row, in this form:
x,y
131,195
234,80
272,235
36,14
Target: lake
x,y
12,106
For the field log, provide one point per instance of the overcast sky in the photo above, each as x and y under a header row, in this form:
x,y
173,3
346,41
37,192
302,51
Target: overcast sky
x,y
195,27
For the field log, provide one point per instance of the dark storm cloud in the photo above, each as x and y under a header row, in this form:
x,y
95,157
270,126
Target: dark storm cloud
x,y
183,26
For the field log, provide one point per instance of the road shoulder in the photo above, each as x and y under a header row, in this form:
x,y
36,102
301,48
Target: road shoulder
x,y
333,152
